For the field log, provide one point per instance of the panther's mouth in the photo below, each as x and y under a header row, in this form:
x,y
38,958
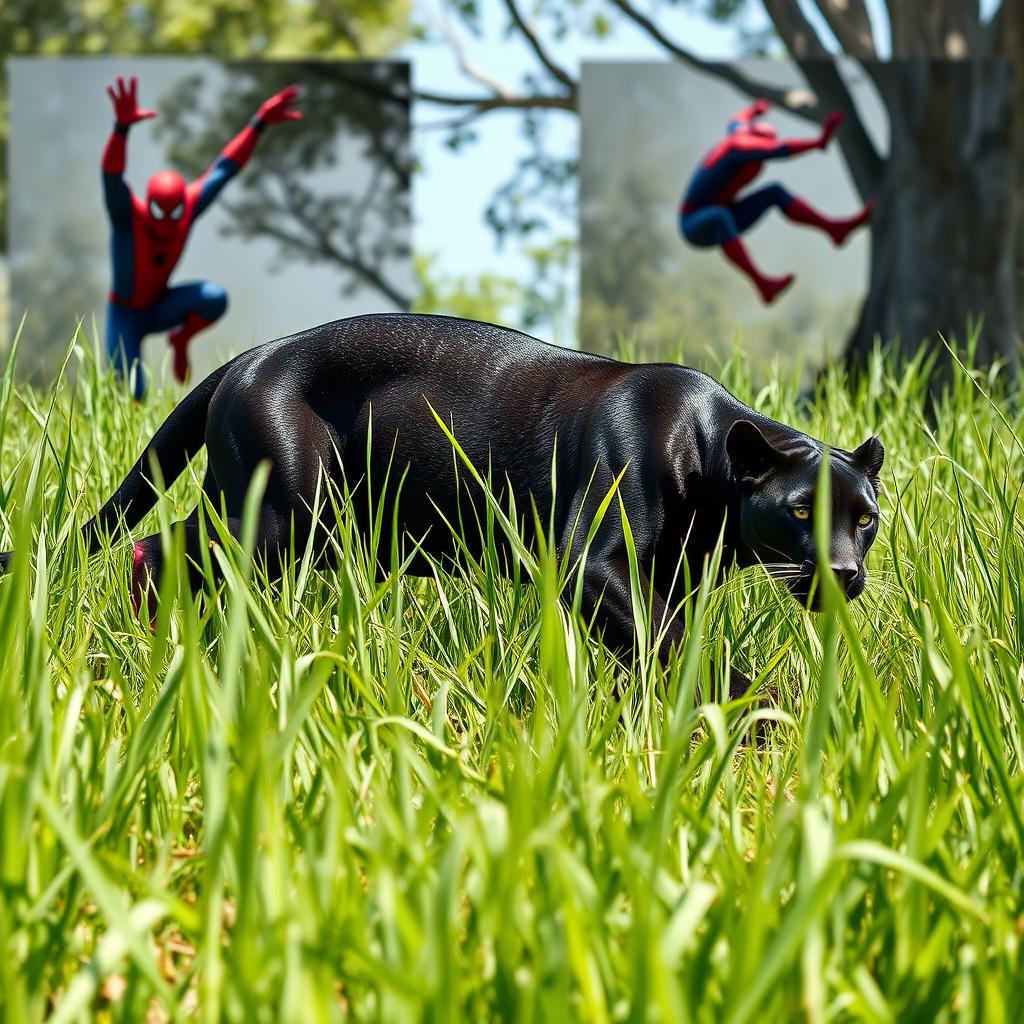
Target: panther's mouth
x,y
801,583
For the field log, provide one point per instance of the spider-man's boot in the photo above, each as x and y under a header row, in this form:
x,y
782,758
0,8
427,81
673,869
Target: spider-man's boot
x,y
769,287
179,339
837,228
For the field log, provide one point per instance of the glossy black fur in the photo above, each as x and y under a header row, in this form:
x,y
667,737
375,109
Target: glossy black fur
x,y
695,456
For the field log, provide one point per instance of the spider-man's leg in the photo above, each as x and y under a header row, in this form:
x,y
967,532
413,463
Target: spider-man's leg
x,y
125,330
751,208
717,225
185,310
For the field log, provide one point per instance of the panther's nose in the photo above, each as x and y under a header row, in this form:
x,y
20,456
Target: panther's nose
x,y
847,575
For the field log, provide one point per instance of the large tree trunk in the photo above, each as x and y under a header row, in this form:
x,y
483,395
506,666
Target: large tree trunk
x,y
1008,40
944,235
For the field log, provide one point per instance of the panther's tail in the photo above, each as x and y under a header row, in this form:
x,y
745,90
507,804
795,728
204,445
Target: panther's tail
x,y
180,437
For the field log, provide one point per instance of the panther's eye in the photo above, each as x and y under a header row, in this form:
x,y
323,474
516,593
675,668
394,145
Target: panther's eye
x,y
801,512
865,520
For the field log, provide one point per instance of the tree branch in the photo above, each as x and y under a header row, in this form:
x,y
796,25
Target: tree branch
x,y
321,247
469,69
531,38
795,30
365,204
485,104
950,29
823,76
827,83
310,238
795,101
397,163
499,95
1004,34
341,73
851,25
865,163
353,259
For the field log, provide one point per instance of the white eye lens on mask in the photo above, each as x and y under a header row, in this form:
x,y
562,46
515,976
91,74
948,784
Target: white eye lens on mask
x,y
155,211
178,211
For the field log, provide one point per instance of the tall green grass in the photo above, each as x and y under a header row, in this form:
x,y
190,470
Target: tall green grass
x,y
347,798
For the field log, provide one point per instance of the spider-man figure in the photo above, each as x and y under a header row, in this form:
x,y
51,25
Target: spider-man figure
x,y
712,215
147,238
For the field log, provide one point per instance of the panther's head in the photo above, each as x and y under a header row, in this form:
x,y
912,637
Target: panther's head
x,y
777,483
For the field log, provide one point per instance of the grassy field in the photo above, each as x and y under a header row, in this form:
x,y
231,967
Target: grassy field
x,y
438,800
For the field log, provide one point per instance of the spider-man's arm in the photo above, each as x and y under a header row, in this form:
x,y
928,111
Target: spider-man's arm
x,y
232,159
750,146
235,155
116,193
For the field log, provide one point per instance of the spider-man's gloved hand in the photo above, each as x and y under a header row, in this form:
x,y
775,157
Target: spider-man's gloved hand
x,y
280,107
126,103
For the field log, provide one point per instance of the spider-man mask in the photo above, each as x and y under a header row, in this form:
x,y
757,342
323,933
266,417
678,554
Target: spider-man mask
x,y
165,202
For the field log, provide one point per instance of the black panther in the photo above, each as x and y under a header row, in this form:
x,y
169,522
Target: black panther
x,y
361,397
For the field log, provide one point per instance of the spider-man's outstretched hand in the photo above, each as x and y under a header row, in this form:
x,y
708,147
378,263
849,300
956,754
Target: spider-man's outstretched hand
x,y
280,107
126,102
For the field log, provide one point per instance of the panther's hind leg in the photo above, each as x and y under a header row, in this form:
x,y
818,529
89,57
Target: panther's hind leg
x,y
303,454
147,552
242,433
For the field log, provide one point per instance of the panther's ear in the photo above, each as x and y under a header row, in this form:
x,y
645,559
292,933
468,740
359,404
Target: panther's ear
x,y
868,457
751,455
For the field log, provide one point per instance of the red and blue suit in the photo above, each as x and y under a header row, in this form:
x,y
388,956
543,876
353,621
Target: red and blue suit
x,y
713,214
148,238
